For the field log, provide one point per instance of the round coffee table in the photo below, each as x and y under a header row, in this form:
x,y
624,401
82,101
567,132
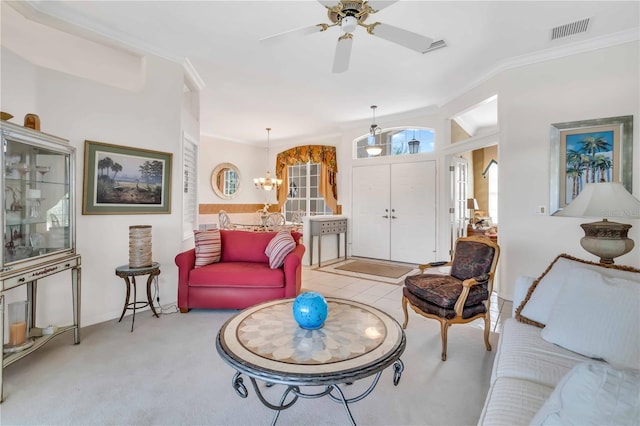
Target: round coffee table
x,y
265,343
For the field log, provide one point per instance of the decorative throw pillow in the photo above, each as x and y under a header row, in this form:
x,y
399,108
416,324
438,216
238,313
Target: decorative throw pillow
x,y
593,394
279,247
597,316
537,305
208,247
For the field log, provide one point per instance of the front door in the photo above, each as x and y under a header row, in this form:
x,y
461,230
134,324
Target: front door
x,y
394,212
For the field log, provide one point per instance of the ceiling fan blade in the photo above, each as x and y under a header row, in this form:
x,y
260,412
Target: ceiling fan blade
x,y
378,5
343,54
295,33
328,3
405,38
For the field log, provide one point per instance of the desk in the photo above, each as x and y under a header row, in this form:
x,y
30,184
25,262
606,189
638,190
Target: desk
x,y
475,232
325,226
264,342
129,275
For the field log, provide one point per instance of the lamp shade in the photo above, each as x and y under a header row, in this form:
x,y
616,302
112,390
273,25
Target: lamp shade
x,y
604,239
604,199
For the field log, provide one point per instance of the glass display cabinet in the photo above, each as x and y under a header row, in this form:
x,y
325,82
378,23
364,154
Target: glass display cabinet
x,y
38,238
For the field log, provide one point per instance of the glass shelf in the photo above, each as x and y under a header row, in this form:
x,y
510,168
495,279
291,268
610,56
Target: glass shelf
x,y
38,196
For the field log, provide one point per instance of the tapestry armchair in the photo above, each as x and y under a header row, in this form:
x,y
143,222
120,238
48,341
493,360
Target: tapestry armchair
x,y
461,296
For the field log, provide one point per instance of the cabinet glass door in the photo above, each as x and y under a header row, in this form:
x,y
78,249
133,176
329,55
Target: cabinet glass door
x,y
37,204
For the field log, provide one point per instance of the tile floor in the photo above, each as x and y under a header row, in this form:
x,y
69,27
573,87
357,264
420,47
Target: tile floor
x,y
384,296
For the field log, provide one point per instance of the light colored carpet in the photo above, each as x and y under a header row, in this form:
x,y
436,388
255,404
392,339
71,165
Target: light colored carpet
x,y
372,268
167,372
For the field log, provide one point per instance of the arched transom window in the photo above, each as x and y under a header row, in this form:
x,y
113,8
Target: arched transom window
x,y
395,141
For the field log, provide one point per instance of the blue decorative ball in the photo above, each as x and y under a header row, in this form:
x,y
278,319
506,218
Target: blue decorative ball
x,y
310,310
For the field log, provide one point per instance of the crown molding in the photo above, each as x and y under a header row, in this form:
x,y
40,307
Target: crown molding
x,y
589,45
64,20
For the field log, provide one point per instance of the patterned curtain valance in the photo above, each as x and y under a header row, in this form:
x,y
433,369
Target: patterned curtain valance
x,y
325,155
301,154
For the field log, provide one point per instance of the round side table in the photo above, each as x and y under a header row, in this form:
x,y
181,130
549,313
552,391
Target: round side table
x,y
129,275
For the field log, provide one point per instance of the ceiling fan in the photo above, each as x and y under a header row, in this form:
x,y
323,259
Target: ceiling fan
x,y
348,15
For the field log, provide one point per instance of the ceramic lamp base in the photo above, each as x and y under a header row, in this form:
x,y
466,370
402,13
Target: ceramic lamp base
x,y
607,240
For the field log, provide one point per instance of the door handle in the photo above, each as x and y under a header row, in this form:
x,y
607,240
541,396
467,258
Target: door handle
x,y
394,217
386,216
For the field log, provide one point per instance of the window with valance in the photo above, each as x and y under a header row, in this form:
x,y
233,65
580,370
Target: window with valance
x,y
322,154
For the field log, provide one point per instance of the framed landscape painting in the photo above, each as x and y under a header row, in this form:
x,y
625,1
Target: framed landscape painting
x,y
589,151
123,180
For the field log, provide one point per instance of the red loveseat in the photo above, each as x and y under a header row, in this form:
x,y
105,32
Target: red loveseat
x,y
242,278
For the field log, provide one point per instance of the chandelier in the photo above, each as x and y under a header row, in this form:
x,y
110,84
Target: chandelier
x,y
267,183
371,148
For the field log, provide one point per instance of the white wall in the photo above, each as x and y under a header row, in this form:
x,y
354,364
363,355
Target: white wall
x,y
79,109
598,84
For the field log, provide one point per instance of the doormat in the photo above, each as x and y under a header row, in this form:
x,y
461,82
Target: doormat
x,y
378,269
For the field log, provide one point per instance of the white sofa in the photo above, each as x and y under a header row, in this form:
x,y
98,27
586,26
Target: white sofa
x,y
591,310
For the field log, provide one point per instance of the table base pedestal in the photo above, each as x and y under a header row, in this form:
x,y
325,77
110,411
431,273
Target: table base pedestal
x,y
333,391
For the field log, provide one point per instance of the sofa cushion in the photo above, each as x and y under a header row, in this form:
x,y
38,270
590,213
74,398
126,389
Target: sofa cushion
x,y
597,316
513,402
593,394
523,354
279,247
208,247
538,304
236,274
244,246
247,246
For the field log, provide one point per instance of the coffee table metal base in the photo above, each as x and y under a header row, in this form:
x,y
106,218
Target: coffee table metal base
x,y
241,390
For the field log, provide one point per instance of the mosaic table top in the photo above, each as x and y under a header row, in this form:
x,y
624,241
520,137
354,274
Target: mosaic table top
x,y
265,339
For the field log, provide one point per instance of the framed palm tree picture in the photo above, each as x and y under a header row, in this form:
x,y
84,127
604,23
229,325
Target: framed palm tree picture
x,y
125,180
589,151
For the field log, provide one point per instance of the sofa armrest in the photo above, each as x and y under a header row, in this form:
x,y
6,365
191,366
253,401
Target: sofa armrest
x,y
185,261
521,288
293,272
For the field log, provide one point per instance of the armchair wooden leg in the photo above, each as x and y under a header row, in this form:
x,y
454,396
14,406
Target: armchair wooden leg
x,y
406,314
444,327
487,329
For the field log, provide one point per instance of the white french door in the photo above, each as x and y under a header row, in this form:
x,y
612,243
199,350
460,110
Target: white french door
x,y
394,212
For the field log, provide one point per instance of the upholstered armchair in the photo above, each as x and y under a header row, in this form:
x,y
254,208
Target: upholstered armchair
x,y
461,296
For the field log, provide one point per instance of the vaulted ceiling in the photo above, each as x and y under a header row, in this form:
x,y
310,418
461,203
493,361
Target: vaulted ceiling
x,y
289,86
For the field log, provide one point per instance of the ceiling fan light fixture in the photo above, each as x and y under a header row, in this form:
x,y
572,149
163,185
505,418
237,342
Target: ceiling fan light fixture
x,y
349,24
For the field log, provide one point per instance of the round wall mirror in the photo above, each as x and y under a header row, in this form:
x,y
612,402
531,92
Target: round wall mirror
x,y
225,180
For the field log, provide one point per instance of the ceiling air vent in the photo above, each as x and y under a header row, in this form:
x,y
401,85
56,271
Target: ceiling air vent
x,y
570,29
436,45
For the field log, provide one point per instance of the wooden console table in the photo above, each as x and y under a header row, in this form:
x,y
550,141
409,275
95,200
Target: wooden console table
x,y
326,226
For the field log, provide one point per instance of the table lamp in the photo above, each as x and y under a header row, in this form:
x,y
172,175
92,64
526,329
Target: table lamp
x,y
472,205
605,239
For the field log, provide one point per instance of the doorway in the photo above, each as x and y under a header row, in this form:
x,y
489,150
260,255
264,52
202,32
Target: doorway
x,y
394,212
475,135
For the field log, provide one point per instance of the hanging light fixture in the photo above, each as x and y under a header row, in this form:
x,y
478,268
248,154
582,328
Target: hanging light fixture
x,y
414,144
267,183
374,130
